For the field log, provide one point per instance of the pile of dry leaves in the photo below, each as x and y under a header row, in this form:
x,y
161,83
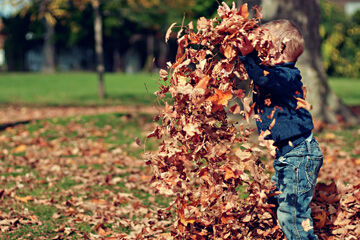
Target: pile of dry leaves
x,y
196,160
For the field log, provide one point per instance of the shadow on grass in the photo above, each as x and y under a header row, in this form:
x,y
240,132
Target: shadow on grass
x,y
7,125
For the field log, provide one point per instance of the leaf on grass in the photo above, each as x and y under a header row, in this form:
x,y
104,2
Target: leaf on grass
x,y
24,199
20,148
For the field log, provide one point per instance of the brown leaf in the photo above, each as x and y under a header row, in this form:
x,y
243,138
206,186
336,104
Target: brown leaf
x,y
168,32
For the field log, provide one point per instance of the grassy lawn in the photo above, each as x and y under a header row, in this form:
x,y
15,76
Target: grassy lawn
x,y
75,177
76,89
81,89
347,88
72,178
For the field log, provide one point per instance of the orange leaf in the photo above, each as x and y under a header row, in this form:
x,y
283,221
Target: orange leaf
x,y
24,199
229,52
357,161
272,124
203,83
268,102
266,73
220,97
225,219
301,103
244,11
190,220
20,148
229,173
99,201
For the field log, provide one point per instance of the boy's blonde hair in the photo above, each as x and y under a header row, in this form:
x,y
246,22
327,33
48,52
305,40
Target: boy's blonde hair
x,y
287,38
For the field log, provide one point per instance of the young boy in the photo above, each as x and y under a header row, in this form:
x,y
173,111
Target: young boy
x,y
277,90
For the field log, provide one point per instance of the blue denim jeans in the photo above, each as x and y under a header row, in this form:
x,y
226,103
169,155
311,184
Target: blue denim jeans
x,y
295,177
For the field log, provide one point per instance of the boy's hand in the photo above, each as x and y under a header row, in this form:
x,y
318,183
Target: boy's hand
x,y
246,47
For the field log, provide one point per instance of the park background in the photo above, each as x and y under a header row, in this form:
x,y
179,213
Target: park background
x,y
77,79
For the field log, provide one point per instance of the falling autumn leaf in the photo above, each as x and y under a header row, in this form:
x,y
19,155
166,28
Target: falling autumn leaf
x,y
244,11
306,225
220,97
301,103
168,32
203,83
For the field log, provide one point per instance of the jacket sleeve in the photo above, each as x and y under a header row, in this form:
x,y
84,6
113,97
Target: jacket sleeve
x,y
276,79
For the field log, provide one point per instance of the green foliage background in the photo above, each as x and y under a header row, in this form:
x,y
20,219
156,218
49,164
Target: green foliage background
x,y
125,19
341,41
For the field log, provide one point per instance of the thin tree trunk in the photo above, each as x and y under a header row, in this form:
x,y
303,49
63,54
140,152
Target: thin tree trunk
x,y
116,60
49,48
150,39
163,51
99,46
327,107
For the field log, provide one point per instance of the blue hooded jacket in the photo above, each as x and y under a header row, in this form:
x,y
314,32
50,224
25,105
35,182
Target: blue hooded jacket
x,y
275,91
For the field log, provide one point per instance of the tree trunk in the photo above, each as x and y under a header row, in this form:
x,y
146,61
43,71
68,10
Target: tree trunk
x,y
163,52
327,107
99,46
49,48
116,60
150,39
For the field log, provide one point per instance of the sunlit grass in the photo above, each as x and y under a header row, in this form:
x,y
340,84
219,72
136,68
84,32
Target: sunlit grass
x,y
80,88
346,88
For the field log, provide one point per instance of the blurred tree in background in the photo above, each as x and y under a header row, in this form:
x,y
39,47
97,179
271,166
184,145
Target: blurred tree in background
x,y
340,41
133,34
130,29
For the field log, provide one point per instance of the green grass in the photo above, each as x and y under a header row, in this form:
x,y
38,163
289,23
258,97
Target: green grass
x,y
346,88
119,130
79,88
62,187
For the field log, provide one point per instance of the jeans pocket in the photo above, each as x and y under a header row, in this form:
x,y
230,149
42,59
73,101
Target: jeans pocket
x,y
312,168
